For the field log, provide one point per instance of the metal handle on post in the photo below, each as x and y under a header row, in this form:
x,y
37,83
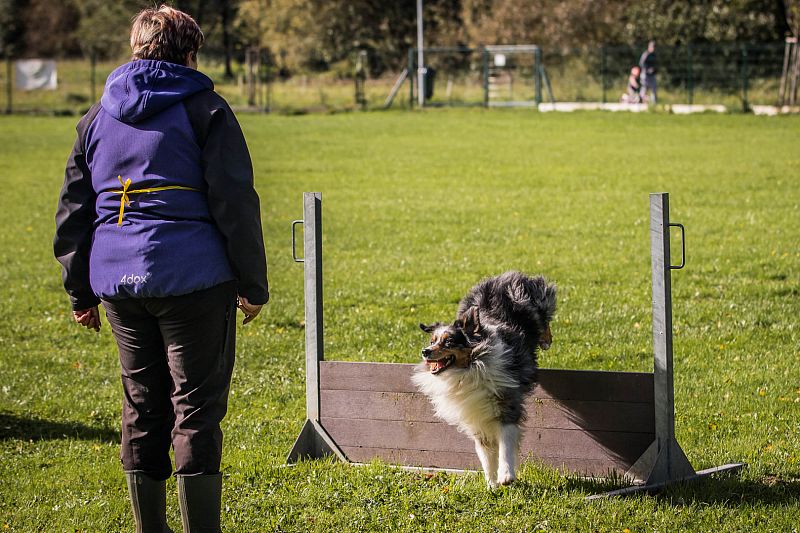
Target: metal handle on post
x,y
294,241
683,246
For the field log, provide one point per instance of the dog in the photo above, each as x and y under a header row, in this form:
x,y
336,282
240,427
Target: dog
x,y
478,370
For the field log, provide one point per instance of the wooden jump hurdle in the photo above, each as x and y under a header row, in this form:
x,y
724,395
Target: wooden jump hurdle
x,y
593,423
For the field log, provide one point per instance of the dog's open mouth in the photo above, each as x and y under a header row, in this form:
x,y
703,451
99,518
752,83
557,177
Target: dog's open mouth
x,y
440,364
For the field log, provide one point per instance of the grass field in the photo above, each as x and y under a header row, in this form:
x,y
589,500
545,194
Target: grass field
x,y
418,207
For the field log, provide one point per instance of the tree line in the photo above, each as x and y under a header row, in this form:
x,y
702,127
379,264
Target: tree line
x,y
321,35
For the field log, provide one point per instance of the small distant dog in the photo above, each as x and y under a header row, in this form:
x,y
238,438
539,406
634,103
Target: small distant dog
x,y
478,370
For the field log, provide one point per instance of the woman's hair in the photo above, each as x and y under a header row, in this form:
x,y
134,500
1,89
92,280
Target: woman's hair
x,y
165,34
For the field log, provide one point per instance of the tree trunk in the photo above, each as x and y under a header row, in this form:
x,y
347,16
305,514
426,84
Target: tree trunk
x,y
226,37
782,11
198,17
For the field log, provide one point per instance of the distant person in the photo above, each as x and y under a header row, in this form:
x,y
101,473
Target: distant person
x,y
648,66
158,219
631,96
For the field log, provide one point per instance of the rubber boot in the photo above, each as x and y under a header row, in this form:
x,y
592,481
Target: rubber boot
x,y
149,502
200,498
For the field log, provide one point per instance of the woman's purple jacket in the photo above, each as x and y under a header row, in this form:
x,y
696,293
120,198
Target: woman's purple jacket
x,y
190,217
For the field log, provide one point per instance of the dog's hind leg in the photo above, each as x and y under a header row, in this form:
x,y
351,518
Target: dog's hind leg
x,y
508,454
487,453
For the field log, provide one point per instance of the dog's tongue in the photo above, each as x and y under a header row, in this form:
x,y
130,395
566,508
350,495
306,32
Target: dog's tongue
x,y
435,365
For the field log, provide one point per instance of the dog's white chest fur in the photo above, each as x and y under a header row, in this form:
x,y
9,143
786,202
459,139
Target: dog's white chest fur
x,y
468,398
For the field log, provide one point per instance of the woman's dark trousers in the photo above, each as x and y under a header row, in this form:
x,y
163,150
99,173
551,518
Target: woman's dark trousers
x,y
177,356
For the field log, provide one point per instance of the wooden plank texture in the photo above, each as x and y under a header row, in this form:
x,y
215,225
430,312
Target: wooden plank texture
x,y
579,421
542,413
469,461
560,384
405,457
441,437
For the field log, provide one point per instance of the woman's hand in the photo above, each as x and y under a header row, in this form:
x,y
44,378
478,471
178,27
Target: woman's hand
x,y
250,310
88,318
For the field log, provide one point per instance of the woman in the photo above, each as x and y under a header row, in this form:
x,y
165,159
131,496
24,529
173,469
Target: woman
x,y
158,220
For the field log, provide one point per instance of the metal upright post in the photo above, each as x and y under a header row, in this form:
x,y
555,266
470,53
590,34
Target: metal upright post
x,y
662,315
603,71
664,461
420,58
312,266
313,441
9,86
745,74
690,74
485,69
667,461
411,78
538,79
784,72
795,73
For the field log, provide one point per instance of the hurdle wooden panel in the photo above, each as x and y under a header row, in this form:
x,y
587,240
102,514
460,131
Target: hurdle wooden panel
x,y
579,421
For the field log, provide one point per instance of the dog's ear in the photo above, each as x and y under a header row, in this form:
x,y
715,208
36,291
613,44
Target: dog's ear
x,y
427,329
546,338
549,301
470,322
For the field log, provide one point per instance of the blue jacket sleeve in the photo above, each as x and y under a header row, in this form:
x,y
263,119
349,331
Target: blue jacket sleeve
x,y
232,198
75,217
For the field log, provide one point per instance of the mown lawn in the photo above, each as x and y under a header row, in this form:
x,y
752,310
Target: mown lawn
x,y
418,207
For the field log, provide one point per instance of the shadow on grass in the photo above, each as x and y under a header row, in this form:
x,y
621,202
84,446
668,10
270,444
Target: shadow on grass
x,y
13,426
734,491
728,491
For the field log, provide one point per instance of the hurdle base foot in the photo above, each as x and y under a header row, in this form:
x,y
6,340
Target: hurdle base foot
x,y
654,488
314,443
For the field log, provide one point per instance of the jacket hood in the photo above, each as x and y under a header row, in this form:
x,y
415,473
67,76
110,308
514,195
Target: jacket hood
x,y
142,88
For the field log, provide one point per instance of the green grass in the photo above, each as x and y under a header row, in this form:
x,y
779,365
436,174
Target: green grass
x,y
416,208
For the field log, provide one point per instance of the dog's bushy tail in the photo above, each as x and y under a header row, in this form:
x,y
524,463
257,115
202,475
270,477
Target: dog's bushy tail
x,y
531,297
527,302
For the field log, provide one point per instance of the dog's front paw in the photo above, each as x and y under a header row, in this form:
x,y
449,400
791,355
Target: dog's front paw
x,y
506,477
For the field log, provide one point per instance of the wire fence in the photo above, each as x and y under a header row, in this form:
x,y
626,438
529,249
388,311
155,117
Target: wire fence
x,y
735,75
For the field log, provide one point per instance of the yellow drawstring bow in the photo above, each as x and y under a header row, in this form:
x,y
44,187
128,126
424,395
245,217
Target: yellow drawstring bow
x,y
125,192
